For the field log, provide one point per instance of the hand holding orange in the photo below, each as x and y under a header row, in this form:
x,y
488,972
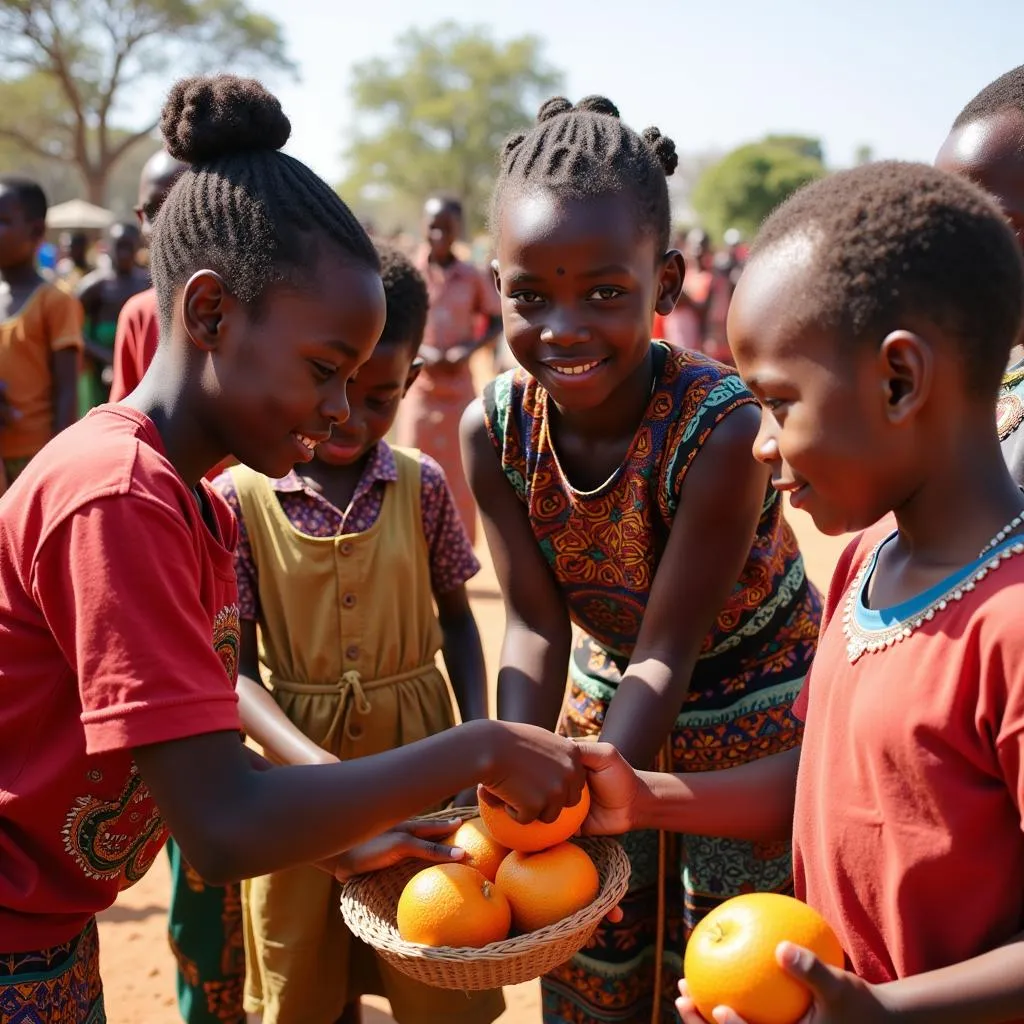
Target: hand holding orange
x,y
537,835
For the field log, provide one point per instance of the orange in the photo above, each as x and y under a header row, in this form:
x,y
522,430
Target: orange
x,y
537,835
482,852
452,905
730,958
544,887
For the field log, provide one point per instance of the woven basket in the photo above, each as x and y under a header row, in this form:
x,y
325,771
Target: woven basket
x,y
369,903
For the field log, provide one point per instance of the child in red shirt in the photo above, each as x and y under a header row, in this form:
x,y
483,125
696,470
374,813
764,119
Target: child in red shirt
x,y
873,323
118,601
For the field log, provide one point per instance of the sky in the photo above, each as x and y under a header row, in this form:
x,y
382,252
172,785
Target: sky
x,y
890,74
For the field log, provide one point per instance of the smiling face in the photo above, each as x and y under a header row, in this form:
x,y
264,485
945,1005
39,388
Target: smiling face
x,y
579,286
824,430
278,379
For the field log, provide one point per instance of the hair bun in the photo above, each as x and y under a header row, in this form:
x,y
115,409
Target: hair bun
x,y
552,108
212,116
598,105
663,148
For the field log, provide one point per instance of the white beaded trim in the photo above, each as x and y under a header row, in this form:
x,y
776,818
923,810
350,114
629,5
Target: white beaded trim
x,y
860,641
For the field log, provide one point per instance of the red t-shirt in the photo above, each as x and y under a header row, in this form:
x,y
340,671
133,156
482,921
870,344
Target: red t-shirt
x,y
119,627
908,824
138,333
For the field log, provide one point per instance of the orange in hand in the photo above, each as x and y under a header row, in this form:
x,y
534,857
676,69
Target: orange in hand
x,y
544,887
537,835
483,852
730,958
452,905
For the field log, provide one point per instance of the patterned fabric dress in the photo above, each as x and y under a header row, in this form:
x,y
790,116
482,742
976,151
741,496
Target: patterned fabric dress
x,y
604,547
1010,418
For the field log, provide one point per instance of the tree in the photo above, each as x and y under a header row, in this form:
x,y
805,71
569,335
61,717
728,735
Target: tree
x,y
747,184
434,116
70,62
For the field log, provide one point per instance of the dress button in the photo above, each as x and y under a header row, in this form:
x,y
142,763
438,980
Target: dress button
x,y
346,547
352,652
355,731
349,600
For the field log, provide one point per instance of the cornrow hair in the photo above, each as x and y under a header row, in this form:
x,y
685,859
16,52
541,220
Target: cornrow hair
x,y
30,194
584,149
254,215
897,244
1005,93
405,293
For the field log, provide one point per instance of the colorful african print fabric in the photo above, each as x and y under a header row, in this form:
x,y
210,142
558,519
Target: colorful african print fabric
x,y
604,547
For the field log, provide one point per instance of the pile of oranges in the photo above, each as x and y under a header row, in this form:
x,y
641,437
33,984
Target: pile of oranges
x,y
514,876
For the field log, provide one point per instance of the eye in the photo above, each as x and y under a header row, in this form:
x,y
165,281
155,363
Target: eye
x,y
322,371
606,292
773,405
527,297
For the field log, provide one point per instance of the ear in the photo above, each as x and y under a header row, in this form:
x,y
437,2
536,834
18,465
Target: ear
x,y
907,364
496,274
204,301
414,372
38,230
670,284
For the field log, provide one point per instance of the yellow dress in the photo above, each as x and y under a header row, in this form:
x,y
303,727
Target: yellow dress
x,y
348,639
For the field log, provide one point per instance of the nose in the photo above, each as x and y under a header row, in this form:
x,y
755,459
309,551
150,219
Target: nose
x,y
562,329
766,442
335,405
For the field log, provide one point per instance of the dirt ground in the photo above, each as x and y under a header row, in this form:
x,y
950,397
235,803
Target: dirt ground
x,y
138,970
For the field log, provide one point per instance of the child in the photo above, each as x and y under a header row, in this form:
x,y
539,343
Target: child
x,y
873,322
314,549
118,601
459,294
40,334
138,328
618,493
103,295
985,146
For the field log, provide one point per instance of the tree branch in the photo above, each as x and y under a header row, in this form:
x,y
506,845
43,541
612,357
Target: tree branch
x,y
126,143
27,143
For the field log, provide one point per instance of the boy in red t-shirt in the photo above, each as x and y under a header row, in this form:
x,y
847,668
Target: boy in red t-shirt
x,y
118,602
873,323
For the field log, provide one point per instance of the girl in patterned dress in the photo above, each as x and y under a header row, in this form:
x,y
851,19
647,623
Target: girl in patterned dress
x,y
619,494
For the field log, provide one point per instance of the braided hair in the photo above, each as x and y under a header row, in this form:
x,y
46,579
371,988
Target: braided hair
x,y
585,150
252,214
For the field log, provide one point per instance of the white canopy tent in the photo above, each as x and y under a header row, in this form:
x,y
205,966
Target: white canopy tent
x,y
78,215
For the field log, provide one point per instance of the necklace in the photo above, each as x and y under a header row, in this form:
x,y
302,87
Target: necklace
x,y
860,640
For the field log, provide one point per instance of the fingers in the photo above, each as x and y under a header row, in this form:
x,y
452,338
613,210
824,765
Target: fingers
x,y
429,829
614,916
428,850
827,983
598,757
685,1007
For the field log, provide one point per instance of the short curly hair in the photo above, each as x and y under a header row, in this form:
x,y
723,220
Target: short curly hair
x,y
405,293
586,150
1005,93
899,243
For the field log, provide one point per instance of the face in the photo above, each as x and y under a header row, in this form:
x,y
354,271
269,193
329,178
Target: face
x,y
824,430
988,152
125,251
153,190
19,236
277,381
579,287
441,227
373,398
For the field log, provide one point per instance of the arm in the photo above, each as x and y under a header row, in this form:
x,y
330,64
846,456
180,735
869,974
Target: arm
x,y
538,637
462,352
708,545
65,388
262,719
463,653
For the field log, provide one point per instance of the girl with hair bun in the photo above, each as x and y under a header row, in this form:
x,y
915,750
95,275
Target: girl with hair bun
x,y
619,494
118,601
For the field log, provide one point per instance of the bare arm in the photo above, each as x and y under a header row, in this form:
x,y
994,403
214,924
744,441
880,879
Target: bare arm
x,y
262,719
708,545
65,388
538,637
463,653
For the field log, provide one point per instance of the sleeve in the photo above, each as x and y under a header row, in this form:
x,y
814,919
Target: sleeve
x,y
132,627
126,344
452,561
64,320
488,300
246,572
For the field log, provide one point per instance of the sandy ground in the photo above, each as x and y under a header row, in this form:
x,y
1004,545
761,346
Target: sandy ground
x,y
138,970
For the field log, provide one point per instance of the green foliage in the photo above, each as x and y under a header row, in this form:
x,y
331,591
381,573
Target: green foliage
x,y
67,64
747,184
434,115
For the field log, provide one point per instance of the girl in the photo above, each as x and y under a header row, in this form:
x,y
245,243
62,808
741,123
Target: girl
x,y
459,296
874,322
118,601
350,658
618,493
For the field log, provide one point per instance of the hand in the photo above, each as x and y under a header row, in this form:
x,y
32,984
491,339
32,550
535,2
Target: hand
x,y
458,354
467,798
839,997
407,839
531,770
8,414
614,789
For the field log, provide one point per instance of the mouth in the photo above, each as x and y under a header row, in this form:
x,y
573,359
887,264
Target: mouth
x,y
307,443
796,490
575,369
